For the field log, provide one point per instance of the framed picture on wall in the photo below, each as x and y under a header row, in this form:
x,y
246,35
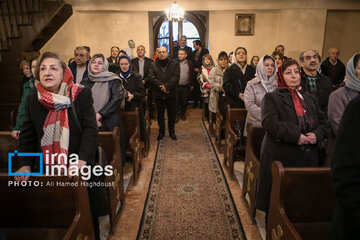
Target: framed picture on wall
x,y
244,24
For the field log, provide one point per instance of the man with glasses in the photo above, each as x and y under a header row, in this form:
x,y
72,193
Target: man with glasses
x,y
312,81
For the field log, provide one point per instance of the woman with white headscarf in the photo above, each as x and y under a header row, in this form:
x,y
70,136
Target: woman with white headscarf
x,y
106,92
256,89
339,99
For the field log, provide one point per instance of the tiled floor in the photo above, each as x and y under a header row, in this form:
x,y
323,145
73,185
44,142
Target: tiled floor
x,y
136,194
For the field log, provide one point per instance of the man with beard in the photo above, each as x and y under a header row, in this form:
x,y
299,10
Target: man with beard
x,y
164,75
312,81
79,67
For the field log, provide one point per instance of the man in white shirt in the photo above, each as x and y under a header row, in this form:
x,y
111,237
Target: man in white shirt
x,y
79,66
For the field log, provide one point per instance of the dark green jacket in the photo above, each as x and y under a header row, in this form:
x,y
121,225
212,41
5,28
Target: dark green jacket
x,y
28,88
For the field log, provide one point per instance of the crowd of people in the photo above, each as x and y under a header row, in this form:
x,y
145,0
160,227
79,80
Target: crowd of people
x,y
299,104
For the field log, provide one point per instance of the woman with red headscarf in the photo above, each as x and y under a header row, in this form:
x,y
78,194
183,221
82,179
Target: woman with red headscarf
x,y
294,126
60,118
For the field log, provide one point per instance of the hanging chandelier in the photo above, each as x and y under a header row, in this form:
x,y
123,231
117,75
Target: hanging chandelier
x,y
175,13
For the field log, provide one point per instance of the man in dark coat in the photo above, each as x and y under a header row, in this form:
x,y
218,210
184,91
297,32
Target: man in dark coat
x,y
79,67
334,68
141,65
198,54
312,81
164,75
182,46
346,174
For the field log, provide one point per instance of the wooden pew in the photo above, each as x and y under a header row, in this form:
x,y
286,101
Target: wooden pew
x,y
8,144
8,112
231,139
301,205
254,139
45,212
132,133
146,145
219,124
110,143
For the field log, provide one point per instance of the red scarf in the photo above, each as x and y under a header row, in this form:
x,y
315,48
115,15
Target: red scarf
x,y
56,126
305,120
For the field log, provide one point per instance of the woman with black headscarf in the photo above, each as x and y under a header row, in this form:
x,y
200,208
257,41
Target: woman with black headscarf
x,y
135,91
294,126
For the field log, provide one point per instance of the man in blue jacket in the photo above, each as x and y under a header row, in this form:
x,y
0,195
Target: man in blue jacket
x,y
79,67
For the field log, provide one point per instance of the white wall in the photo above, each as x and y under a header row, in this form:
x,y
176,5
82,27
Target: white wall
x,y
100,31
297,30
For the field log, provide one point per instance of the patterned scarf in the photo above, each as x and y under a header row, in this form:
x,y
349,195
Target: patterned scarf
x,y
306,122
56,126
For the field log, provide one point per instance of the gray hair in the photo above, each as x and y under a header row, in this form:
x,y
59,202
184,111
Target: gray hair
x,y
82,48
301,56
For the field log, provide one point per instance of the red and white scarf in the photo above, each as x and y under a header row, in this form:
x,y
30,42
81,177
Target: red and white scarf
x,y
56,126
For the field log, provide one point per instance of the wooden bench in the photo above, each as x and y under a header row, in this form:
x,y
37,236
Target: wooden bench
x,y
110,143
45,212
8,144
301,205
132,134
219,124
231,139
8,113
146,145
254,139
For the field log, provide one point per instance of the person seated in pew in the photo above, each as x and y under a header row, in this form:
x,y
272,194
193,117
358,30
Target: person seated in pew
x,y
106,92
135,91
338,101
256,89
28,88
294,125
51,127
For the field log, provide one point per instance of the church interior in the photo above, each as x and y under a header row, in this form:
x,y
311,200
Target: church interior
x,y
202,183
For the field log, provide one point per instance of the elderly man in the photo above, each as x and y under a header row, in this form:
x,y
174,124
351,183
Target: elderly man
x,y
182,46
164,75
312,81
334,68
79,67
141,65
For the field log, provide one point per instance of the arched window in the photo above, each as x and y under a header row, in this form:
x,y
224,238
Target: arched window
x,y
192,28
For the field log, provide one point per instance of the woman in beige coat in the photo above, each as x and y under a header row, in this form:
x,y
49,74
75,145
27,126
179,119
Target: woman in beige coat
x,y
216,80
256,89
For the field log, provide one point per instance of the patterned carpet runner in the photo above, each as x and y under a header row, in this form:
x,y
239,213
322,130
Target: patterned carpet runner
x,y
188,196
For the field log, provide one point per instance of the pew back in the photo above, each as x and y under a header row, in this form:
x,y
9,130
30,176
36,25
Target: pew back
x,y
252,166
8,144
63,209
132,132
302,202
